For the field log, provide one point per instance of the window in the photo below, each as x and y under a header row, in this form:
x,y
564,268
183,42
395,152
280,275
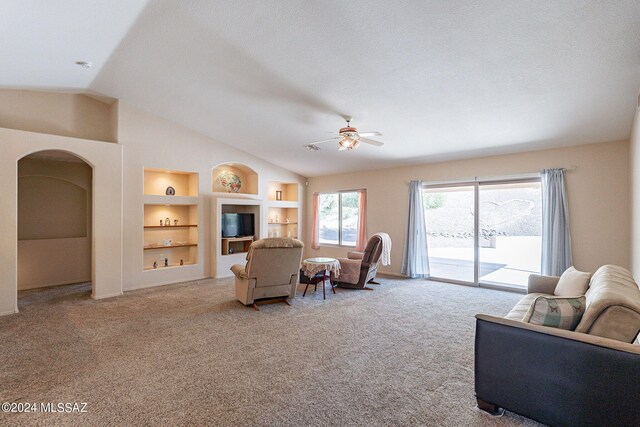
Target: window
x,y
338,218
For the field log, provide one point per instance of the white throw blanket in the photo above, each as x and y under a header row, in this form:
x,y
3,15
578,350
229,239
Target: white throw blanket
x,y
385,258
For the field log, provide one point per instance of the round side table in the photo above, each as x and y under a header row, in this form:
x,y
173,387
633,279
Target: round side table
x,y
320,269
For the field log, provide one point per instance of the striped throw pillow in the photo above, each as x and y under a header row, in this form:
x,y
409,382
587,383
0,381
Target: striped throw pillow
x,y
557,312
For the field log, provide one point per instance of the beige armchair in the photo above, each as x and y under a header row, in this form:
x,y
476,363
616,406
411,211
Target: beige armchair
x,y
271,271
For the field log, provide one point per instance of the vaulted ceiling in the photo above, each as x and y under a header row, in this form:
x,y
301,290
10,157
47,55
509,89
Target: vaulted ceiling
x,y
440,79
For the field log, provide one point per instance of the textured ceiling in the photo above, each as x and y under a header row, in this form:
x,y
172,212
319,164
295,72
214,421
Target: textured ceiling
x,y
439,79
40,40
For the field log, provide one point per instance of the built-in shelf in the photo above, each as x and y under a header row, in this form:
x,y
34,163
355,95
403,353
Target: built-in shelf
x,y
283,205
153,199
235,195
170,266
171,226
170,196
186,245
236,245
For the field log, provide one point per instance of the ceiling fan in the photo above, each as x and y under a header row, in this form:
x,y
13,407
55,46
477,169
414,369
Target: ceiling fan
x,y
348,138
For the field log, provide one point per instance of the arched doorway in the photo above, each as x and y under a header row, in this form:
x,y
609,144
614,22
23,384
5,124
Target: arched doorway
x,y
54,222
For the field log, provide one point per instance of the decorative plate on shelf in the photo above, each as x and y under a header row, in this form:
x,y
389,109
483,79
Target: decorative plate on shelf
x,y
170,191
230,181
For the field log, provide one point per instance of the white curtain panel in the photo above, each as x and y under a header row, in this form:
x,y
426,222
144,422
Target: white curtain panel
x,y
556,242
415,262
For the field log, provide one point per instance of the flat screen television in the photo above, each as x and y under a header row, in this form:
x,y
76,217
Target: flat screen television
x,y
237,224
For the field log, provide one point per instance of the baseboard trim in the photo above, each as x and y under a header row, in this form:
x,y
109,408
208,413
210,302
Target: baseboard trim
x,y
116,294
155,285
390,274
6,313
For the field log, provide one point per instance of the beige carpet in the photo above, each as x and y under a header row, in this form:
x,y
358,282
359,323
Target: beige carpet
x,y
190,354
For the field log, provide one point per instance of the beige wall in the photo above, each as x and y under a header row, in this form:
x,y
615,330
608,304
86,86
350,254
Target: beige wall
x,y
33,121
54,222
635,197
152,142
63,114
54,198
598,190
52,262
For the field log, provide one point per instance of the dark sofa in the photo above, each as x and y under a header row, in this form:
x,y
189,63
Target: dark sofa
x,y
565,378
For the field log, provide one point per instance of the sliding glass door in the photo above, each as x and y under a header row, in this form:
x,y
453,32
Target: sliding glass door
x,y
449,215
510,232
484,232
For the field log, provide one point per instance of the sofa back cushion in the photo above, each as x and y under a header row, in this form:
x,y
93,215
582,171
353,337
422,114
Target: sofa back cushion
x,y
613,305
520,311
572,283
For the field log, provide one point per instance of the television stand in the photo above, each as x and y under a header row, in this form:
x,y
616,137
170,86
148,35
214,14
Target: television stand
x,y
236,245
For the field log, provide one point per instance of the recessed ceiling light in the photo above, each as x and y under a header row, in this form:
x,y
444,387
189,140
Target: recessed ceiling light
x,y
84,64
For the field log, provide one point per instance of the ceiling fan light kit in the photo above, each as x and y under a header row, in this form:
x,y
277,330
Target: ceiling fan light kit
x,y
348,138
348,143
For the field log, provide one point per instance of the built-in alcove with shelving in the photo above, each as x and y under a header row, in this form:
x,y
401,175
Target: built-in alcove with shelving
x,y
159,182
283,215
282,191
231,249
175,241
234,178
240,244
170,219
283,222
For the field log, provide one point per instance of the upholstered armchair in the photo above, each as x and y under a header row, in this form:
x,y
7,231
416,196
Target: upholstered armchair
x,y
271,270
360,268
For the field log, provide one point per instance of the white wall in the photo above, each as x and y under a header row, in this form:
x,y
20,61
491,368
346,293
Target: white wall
x,y
598,193
106,160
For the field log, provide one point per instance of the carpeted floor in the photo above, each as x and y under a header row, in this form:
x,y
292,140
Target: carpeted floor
x,y
190,354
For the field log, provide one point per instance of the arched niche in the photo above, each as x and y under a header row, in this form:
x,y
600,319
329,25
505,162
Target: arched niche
x,y
106,209
234,178
54,219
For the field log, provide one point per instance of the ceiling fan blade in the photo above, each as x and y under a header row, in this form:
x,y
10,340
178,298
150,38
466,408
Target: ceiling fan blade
x,y
372,142
322,141
366,134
